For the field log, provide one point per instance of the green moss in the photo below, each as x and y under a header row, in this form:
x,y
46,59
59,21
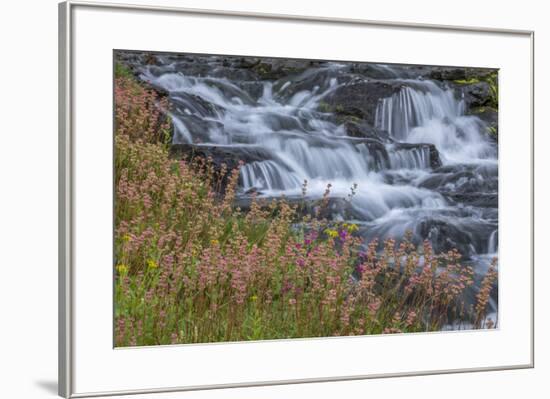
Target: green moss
x,y
324,107
122,71
492,130
483,109
492,80
466,81
263,69
347,118
479,110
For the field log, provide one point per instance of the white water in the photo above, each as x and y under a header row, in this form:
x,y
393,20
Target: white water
x,y
493,243
304,143
306,146
425,113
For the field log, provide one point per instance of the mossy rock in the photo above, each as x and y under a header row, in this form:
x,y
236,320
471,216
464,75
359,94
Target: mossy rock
x,y
360,99
489,115
482,84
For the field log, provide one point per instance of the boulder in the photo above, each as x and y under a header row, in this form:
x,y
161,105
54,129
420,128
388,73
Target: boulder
x,y
274,68
445,236
231,157
360,98
489,115
228,155
459,73
360,129
476,94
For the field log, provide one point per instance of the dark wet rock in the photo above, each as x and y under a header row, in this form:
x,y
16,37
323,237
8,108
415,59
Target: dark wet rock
x,y
395,71
458,73
376,153
233,74
357,128
490,117
465,184
460,183
230,90
372,71
476,94
447,73
360,98
199,127
435,159
192,104
314,79
191,110
273,69
335,208
478,199
269,68
151,59
255,89
445,236
223,158
229,155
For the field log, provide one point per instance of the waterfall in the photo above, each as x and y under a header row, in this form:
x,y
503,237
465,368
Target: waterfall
x,y
415,105
416,158
423,112
289,135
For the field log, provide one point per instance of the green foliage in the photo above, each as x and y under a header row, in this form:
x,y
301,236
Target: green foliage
x,y
492,80
492,131
122,71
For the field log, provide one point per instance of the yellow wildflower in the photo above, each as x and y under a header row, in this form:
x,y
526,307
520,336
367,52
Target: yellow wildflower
x,y
151,264
122,268
254,298
352,227
214,242
126,237
331,233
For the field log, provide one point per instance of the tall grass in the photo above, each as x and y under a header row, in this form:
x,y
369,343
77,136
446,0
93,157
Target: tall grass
x,y
190,267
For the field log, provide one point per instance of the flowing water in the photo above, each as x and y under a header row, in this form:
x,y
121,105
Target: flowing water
x,y
400,186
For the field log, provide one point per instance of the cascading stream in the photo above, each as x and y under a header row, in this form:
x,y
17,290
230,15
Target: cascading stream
x,y
453,204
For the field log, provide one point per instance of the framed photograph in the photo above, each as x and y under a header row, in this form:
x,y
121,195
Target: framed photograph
x,y
298,199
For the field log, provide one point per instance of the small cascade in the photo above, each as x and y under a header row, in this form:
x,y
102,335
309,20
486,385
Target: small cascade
x,y
416,158
414,105
492,246
267,175
423,112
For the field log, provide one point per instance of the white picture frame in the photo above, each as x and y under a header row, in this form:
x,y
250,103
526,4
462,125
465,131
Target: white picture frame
x,y
87,359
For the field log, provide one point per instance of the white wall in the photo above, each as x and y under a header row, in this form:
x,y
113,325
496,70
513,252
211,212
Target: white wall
x,y
28,198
